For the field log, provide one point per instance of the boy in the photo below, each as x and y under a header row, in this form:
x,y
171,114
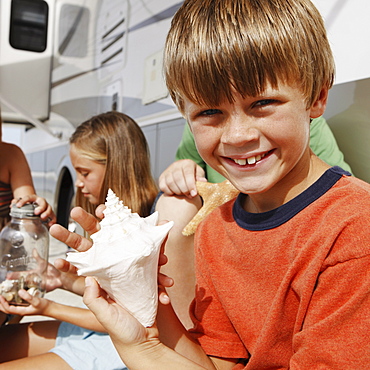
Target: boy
x,y
282,271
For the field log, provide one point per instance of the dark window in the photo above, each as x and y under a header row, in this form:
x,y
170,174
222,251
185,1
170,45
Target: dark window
x,y
29,25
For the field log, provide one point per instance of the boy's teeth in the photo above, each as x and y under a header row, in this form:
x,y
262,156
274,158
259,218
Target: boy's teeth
x,y
250,160
241,162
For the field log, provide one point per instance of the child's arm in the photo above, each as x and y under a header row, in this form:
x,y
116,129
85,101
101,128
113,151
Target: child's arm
x,y
179,178
45,307
20,180
140,347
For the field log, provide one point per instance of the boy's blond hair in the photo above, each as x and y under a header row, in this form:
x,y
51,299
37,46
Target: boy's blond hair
x,y
216,47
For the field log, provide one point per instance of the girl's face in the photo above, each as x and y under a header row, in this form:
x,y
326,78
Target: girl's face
x,y
90,175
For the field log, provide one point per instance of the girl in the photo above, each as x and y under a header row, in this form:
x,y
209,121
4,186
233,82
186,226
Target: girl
x,y
107,151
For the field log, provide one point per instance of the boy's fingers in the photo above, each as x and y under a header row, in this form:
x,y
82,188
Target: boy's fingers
x,y
93,298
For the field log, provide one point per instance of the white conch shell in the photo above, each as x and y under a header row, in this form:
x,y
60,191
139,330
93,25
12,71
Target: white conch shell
x,y
124,258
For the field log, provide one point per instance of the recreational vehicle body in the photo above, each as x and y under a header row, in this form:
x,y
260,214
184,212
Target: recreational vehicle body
x,y
62,61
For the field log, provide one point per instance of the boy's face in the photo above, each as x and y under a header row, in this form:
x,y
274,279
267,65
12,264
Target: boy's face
x,y
259,143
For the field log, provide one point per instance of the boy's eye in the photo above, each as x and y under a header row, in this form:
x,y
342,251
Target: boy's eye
x,y
210,112
264,102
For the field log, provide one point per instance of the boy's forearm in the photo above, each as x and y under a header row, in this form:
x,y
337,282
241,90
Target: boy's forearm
x,y
156,356
174,336
74,315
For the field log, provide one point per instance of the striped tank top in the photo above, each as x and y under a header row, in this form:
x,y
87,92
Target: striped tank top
x,y
6,196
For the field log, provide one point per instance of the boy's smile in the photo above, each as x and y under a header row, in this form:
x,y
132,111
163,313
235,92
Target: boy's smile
x,y
259,142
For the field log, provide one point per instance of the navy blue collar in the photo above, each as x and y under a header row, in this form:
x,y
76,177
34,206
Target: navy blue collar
x,y
278,216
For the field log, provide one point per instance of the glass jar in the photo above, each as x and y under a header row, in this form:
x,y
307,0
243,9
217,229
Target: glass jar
x,y
24,251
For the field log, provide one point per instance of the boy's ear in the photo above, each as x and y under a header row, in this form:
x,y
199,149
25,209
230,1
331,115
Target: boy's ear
x,y
318,107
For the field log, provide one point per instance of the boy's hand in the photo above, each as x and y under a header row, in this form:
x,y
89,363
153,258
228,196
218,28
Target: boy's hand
x,y
43,207
121,325
179,178
37,305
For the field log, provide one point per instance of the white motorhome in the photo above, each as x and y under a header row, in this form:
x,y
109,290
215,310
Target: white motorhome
x,y
62,61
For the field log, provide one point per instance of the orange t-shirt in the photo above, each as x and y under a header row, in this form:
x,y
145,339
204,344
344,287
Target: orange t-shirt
x,y
289,288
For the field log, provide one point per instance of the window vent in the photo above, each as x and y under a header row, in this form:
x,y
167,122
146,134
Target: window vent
x,y
112,34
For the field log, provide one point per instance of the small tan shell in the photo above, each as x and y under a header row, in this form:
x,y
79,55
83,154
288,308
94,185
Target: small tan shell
x,y
213,196
34,292
9,296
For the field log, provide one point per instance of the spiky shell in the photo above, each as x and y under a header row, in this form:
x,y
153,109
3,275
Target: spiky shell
x,y
124,258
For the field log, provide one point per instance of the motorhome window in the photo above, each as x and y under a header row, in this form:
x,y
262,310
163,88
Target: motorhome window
x,y
73,31
29,25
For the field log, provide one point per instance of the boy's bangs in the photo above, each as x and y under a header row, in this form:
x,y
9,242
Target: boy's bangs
x,y
215,77
219,48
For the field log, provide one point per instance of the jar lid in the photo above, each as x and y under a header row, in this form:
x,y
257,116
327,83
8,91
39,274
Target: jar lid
x,y
26,211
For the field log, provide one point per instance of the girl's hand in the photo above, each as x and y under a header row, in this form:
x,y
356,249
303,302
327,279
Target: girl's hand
x,y
53,278
87,221
67,268
37,305
43,207
179,178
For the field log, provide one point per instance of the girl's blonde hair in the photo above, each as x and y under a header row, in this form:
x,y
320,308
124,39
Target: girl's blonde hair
x,y
217,47
115,140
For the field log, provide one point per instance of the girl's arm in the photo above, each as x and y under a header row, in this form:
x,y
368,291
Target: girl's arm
x,y
45,307
20,180
74,315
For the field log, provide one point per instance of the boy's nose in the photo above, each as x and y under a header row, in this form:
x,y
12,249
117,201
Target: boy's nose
x,y
239,131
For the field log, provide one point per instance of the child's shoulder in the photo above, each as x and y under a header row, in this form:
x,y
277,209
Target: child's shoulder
x,y
9,147
353,187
